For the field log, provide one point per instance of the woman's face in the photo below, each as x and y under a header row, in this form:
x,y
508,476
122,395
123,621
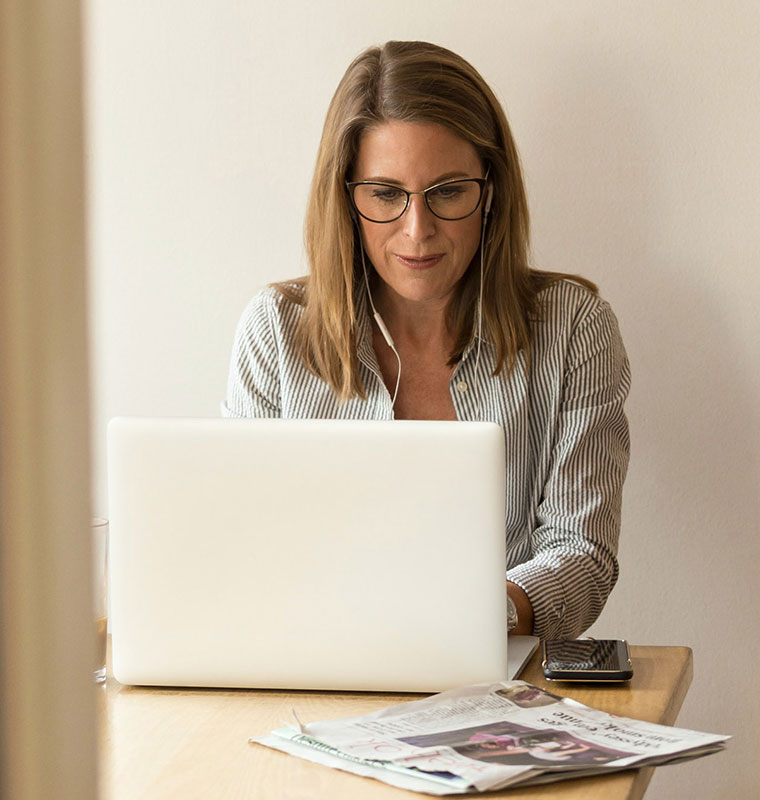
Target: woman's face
x,y
419,257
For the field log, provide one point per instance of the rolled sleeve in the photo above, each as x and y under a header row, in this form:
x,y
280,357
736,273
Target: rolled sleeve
x,y
574,566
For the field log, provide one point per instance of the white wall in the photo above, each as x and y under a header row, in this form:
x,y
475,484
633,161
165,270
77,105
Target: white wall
x,y
638,125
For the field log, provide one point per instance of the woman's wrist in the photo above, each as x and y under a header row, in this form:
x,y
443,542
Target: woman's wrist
x,y
523,607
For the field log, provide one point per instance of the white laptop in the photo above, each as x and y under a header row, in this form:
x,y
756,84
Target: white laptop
x,y
309,554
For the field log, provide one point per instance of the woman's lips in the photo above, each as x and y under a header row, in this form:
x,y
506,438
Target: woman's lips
x,y
419,262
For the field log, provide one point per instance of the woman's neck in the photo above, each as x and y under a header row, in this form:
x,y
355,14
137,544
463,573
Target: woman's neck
x,y
422,324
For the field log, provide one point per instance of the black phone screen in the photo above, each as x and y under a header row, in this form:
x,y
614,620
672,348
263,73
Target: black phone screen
x,y
595,659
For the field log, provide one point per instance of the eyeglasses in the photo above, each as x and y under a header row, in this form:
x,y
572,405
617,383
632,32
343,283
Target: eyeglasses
x,y
384,202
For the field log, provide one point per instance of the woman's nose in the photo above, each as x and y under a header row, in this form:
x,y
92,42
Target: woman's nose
x,y
419,221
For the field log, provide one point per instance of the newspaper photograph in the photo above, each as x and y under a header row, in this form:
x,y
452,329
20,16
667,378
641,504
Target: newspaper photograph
x,y
487,737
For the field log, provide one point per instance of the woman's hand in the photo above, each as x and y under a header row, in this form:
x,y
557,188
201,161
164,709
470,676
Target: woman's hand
x,y
524,609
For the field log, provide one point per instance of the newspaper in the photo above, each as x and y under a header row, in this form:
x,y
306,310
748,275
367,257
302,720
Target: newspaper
x,y
485,737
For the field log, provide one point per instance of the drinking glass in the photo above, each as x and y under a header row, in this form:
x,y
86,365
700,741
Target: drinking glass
x,y
99,531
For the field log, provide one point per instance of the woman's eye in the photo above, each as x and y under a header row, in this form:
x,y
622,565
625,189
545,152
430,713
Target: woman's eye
x,y
447,192
386,195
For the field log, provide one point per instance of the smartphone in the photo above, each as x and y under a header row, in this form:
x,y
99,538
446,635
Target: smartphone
x,y
587,660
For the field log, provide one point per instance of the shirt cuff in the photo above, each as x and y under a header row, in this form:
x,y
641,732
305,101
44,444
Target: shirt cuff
x,y
226,411
547,598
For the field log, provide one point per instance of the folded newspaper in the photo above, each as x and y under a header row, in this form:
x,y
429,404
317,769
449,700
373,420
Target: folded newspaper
x,y
486,737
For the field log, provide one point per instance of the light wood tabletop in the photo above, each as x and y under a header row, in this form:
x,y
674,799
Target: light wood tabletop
x,y
159,743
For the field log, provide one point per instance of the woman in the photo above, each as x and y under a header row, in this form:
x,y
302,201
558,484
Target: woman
x,y
421,304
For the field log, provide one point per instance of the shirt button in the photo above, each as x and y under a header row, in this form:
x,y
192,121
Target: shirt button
x,y
462,387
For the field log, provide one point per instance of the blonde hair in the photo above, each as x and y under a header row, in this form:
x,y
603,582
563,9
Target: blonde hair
x,y
414,82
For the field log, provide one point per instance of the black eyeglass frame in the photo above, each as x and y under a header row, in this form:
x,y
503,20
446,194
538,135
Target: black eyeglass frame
x,y
350,185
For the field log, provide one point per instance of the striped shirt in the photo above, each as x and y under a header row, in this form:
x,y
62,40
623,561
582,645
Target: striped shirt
x,y
565,430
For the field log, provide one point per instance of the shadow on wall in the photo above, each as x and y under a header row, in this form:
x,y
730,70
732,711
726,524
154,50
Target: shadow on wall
x,y
610,175
610,200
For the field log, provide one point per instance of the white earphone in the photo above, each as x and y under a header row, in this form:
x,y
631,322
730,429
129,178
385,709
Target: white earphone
x,y
375,313
489,198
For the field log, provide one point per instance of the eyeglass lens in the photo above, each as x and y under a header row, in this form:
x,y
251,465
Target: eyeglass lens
x,y
382,203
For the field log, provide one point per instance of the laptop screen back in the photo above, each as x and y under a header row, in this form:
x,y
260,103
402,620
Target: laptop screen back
x,y
307,554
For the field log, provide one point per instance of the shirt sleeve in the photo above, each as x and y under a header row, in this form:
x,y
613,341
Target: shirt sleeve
x,y
253,385
574,544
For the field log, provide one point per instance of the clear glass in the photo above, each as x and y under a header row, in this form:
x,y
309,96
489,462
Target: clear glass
x,y
99,533
384,202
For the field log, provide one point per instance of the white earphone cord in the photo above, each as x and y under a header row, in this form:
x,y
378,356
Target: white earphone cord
x,y
480,312
381,324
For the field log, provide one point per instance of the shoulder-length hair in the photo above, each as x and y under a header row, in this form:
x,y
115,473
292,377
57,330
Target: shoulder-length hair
x,y
415,82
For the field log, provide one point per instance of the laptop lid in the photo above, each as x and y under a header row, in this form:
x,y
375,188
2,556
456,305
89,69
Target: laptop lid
x,y
307,554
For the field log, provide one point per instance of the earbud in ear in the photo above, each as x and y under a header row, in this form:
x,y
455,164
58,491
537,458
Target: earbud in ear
x,y
489,198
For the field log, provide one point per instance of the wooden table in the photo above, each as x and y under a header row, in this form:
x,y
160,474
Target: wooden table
x,y
193,743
